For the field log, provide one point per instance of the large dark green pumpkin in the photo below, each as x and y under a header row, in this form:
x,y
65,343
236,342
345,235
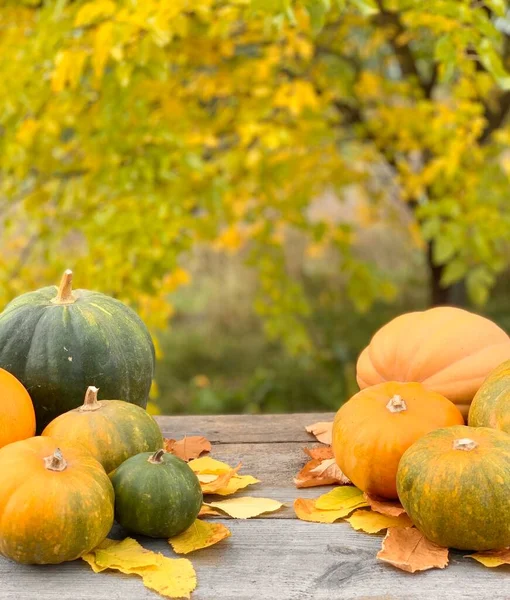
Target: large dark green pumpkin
x,y
57,342
491,404
455,485
156,494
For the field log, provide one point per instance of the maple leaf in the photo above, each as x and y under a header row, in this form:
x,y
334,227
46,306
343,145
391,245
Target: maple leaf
x,y
322,431
392,508
200,535
373,522
246,507
189,447
170,577
492,558
408,549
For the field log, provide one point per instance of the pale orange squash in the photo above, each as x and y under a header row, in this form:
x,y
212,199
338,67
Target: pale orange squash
x,y
449,350
376,426
17,415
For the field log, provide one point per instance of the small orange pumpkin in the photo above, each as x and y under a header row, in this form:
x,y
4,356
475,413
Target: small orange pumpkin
x,y
449,350
17,415
56,502
375,427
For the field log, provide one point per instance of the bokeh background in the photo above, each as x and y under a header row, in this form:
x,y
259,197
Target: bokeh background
x,y
266,182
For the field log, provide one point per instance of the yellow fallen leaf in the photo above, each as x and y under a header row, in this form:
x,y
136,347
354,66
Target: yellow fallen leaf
x,y
171,577
206,464
236,483
174,578
492,558
189,447
392,508
200,535
408,549
372,522
322,431
345,497
306,510
206,477
207,511
246,507
220,482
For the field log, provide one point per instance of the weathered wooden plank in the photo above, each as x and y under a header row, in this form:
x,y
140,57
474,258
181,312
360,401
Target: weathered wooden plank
x,y
272,560
231,429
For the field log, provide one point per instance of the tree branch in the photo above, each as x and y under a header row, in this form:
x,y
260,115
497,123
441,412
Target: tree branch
x,y
403,52
495,119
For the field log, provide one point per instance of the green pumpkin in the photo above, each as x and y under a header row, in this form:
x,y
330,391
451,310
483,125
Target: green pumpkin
x,y
111,430
156,495
455,485
58,342
491,404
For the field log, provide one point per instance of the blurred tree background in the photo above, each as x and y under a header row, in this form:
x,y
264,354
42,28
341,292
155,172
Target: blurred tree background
x,y
265,181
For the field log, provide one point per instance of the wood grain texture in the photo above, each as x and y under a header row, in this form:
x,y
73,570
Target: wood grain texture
x,y
273,558
231,429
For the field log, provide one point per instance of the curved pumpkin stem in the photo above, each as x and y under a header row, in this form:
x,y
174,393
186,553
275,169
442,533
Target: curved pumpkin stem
x,y
65,290
396,404
464,444
91,402
157,457
55,462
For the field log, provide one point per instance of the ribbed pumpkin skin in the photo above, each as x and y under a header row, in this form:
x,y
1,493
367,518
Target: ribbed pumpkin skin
x,y
158,500
459,498
17,416
491,405
56,351
369,439
49,517
449,350
112,433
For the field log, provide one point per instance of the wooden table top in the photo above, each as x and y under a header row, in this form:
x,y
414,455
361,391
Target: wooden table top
x,y
273,557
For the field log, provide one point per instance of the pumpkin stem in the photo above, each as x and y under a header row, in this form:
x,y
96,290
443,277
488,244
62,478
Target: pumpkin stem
x,y
65,291
464,444
396,404
55,462
157,457
91,402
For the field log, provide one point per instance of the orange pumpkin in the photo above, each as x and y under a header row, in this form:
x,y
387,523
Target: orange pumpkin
x,y
17,416
375,427
449,350
56,502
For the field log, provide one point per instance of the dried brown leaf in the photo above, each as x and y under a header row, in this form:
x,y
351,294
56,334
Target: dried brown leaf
x,y
408,549
320,453
392,508
189,447
322,431
320,472
207,511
